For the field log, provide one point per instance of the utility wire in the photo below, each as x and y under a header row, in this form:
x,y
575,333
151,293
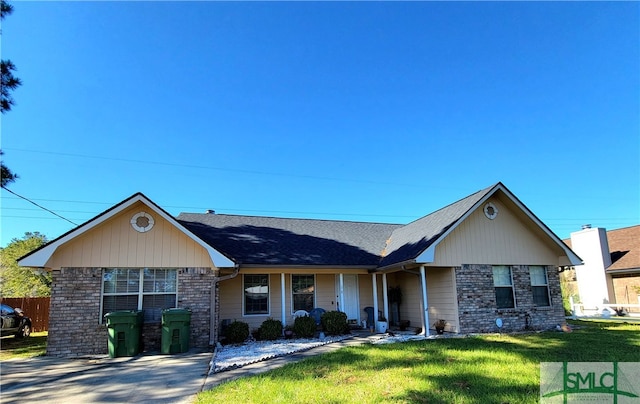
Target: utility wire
x,y
41,207
201,167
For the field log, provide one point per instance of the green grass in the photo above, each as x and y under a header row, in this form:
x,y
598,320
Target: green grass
x,y
12,347
480,369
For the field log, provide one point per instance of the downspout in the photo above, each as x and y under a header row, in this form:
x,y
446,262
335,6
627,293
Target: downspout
x,y
213,321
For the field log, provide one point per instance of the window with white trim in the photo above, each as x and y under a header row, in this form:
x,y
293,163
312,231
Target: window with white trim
x,y
303,292
503,285
539,285
148,289
256,294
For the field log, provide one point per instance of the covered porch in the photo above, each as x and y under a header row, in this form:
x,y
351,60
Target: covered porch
x,y
260,293
420,295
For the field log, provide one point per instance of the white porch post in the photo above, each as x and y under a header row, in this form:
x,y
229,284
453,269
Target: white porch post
x,y
341,284
375,299
425,304
284,300
385,301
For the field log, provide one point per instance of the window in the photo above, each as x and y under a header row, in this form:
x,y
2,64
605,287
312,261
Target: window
x,y
539,286
256,294
503,285
303,291
149,289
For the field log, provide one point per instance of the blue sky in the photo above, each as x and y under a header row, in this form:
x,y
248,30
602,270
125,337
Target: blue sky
x,y
366,111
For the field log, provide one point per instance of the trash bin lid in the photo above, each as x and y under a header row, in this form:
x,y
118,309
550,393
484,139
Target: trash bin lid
x,y
176,311
122,313
171,315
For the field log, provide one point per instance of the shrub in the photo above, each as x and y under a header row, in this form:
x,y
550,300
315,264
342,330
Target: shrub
x,y
304,327
270,329
335,323
237,332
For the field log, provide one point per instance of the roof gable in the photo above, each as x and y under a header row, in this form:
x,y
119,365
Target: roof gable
x,y
417,241
41,256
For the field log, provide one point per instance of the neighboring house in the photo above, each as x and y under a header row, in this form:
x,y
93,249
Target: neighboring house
x,y
611,270
484,257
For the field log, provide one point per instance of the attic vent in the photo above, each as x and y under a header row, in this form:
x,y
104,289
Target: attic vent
x,y
490,211
210,211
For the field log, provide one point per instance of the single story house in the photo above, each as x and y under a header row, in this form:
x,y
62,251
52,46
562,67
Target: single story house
x,y
484,257
610,274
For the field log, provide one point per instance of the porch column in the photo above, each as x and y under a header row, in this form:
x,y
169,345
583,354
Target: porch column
x,y
375,299
385,302
341,285
284,300
425,302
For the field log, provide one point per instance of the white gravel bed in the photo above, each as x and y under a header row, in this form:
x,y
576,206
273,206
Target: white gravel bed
x,y
234,356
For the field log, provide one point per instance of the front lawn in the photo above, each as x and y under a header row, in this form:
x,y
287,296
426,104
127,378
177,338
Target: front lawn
x,y
34,345
479,369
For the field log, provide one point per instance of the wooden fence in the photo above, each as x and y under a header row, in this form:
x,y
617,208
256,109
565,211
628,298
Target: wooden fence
x,y
36,308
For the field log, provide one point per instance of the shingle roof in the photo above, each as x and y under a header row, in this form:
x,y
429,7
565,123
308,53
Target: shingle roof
x,y
624,246
254,240
280,241
407,242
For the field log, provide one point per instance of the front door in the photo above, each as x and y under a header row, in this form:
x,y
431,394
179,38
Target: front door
x,y
351,306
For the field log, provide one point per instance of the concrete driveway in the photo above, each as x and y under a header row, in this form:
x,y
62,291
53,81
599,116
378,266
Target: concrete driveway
x,y
145,378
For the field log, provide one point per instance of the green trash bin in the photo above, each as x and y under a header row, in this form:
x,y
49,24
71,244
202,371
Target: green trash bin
x,y
176,326
123,329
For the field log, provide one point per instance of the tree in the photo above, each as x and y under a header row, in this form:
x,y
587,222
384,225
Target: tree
x,y
7,176
17,281
8,83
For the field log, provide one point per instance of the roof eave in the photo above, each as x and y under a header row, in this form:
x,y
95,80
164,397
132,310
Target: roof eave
x,y
394,265
622,271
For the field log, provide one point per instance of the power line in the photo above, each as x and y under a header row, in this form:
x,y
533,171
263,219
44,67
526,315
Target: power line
x,y
33,217
68,201
40,206
201,167
222,210
567,221
66,211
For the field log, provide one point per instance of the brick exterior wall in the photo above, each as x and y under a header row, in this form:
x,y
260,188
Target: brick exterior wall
x,y
194,293
74,313
74,318
477,301
627,289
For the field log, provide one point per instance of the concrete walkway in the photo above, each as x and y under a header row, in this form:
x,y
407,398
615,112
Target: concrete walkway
x,y
146,378
152,378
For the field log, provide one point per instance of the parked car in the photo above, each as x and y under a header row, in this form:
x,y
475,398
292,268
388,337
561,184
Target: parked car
x,y
14,322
